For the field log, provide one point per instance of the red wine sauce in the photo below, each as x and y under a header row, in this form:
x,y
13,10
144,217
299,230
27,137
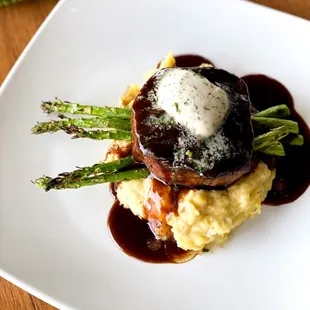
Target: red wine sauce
x,y
189,60
136,239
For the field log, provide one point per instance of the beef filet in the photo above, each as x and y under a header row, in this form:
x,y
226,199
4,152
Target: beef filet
x,y
176,156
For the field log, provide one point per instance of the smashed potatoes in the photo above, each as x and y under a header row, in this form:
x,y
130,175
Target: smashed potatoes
x,y
205,218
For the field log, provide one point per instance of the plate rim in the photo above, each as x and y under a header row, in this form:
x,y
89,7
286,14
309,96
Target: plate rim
x,y
4,274
28,47
9,276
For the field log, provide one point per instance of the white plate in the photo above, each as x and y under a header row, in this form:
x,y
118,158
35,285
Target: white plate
x,y
56,245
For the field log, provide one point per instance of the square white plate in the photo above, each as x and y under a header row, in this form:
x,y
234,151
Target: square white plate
x,y
56,245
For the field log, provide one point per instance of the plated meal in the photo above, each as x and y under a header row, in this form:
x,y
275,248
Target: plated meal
x,y
196,151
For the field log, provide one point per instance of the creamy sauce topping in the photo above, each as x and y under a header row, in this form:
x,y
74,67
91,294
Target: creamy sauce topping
x,y
193,101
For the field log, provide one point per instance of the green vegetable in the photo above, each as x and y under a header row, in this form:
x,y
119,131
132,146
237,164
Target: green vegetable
x,y
277,111
95,122
81,173
297,140
176,107
275,148
263,141
265,122
115,124
48,183
189,153
96,169
98,134
76,108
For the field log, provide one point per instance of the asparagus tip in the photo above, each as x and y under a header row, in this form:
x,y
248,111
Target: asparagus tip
x,y
44,106
42,182
35,130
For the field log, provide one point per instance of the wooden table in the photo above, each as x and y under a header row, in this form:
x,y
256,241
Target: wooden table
x,y
18,23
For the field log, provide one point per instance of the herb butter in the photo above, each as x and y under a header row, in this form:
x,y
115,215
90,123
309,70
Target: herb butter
x,y
193,101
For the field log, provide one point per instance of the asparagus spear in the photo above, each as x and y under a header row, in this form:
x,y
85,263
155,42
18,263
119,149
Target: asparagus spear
x,y
116,134
266,122
96,169
275,148
48,183
95,122
277,111
294,140
98,134
263,141
75,108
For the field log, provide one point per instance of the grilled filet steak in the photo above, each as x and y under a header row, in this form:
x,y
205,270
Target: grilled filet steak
x,y
177,156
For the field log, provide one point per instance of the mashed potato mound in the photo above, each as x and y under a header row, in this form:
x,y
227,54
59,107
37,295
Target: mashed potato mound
x,y
205,217
208,216
133,194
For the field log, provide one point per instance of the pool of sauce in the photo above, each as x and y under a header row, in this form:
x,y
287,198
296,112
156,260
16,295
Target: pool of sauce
x,y
136,237
162,200
293,170
189,60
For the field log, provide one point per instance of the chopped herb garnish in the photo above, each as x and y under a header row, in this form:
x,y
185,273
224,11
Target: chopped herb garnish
x,y
206,250
177,107
189,153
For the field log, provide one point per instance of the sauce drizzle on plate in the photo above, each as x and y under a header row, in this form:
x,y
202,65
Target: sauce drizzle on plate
x,y
136,239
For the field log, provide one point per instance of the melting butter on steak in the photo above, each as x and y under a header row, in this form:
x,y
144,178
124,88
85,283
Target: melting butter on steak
x,y
168,132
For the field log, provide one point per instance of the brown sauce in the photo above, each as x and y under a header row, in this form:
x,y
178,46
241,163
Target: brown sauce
x,y
293,170
162,200
191,61
136,239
